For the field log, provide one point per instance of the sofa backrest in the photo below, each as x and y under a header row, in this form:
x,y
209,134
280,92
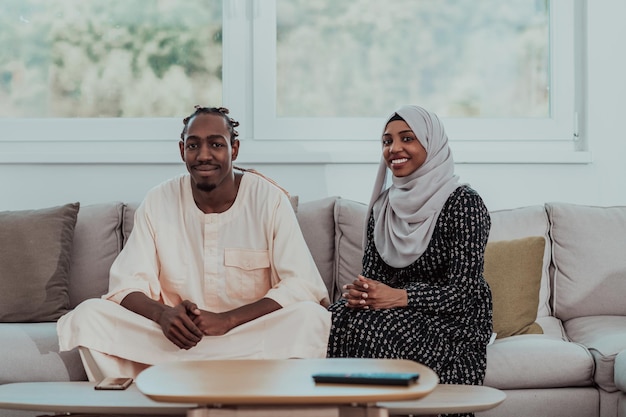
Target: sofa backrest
x,y
350,220
585,246
525,222
97,242
589,262
318,228
333,228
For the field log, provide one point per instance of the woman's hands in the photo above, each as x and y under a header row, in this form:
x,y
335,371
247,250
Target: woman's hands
x,y
368,294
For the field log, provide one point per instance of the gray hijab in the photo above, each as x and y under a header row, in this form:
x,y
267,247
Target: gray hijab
x,y
405,214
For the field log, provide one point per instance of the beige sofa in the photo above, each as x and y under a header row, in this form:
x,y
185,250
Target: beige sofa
x,y
574,368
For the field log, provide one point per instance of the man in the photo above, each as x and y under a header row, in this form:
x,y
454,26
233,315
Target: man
x,y
216,268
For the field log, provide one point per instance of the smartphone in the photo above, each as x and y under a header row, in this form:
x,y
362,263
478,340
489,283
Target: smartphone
x,y
114,383
374,378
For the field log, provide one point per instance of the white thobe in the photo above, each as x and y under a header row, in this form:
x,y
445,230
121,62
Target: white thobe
x,y
220,261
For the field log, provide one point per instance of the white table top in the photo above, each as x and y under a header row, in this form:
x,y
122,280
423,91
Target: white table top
x,y
81,397
449,399
291,385
278,382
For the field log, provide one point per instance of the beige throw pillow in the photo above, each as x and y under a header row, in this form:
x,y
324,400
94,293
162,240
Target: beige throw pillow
x,y
513,271
35,248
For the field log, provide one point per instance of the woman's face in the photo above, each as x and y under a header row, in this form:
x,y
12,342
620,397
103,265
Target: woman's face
x,y
402,151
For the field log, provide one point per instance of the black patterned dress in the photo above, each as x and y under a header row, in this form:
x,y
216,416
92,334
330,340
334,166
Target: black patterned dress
x,y
447,323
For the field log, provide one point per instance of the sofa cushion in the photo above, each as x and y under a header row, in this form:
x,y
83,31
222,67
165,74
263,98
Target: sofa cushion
x,y
537,361
620,371
349,231
35,258
30,353
555,402
318,227
552,326
605,337
589,261
513,271
97,242
524,222
128,220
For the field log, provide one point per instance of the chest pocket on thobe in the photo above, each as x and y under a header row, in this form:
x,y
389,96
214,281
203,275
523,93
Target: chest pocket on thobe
x,y
247,273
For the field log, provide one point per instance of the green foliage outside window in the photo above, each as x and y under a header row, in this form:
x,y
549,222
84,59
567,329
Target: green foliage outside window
x,y
109,58
460,58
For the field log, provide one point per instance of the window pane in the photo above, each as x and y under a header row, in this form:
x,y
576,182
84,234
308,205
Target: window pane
x,y
109,58
460,58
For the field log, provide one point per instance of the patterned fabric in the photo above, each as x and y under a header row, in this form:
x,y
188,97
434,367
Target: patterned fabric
x,y
448,321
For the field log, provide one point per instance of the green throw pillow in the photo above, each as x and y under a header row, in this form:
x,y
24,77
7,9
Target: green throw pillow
x,y
513,270
35,248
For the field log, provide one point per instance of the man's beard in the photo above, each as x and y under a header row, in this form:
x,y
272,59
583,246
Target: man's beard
x,y
205,187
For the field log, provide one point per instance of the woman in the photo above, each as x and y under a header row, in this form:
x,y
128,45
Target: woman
x,y
421,295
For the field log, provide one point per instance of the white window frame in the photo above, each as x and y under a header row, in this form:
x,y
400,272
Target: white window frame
x,y
249,90
474,140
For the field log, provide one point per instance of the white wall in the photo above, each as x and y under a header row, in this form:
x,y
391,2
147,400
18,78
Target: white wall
x,y
601,182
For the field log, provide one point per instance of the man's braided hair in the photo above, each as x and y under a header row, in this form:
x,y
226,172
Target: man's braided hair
x,y
221,111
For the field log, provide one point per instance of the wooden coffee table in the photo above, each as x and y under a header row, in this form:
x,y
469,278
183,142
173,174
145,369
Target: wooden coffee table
x,y
286,388
255,388
285,382
82,398
448,399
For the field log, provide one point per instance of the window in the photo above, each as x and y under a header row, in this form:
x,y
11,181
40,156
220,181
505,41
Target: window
x,y
65,62
458,57
495,72
109,58
309,81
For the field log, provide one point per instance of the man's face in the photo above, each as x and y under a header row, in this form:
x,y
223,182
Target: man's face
x,y
207,151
